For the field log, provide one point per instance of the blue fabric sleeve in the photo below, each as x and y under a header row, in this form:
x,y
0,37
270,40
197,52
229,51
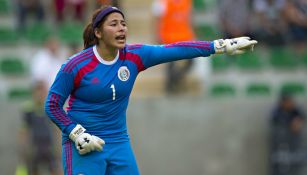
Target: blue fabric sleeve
x,y
152,55
58,93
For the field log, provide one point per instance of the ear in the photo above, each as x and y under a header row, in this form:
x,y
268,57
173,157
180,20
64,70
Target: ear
x,y
98,33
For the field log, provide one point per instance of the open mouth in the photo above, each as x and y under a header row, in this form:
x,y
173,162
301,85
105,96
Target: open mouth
x,y
121,38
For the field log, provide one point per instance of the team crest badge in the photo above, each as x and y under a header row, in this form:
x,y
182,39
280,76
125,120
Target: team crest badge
x,y
123,73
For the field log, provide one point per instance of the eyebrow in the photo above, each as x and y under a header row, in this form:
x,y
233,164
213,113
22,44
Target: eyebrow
x,y
115,20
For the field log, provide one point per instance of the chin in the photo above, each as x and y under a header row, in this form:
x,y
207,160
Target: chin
x,y
121,46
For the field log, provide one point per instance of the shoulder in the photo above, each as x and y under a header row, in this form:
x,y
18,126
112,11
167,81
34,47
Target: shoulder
x,y
133,53
139,49
133,49
130,47
77,59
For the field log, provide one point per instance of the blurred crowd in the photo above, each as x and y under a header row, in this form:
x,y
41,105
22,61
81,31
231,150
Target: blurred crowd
x,y
273,22
61,10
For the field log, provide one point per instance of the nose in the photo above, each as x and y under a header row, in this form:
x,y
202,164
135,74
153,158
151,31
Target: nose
x,y
122,27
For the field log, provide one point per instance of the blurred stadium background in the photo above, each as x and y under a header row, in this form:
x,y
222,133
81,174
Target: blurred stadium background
x,y
219,126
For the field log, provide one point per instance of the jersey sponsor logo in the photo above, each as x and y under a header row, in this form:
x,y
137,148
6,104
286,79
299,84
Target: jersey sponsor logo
x,y
123,73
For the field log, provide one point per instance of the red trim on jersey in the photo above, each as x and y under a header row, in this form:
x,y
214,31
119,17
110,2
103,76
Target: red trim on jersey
x,y
72,62
79,61
84,70
193,44
71,99
136,59
56,110
68,157
76,61
134,46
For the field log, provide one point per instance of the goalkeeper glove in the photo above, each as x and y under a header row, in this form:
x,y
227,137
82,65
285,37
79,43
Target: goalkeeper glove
x,y
85,142
234,46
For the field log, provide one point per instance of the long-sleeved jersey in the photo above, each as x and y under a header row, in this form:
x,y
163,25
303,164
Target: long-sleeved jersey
x,y
99,90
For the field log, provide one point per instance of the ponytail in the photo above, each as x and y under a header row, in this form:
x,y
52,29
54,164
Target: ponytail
x,y
89,38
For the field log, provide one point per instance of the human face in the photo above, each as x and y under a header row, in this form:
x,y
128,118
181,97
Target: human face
x,y
113,31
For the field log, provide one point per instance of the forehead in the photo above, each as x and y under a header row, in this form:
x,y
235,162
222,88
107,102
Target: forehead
x,y
115,16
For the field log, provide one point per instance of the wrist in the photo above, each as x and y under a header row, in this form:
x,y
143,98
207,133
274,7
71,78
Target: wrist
x,y
219,46
76,132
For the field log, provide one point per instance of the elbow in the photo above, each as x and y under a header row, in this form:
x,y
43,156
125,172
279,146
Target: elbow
x,y
48,106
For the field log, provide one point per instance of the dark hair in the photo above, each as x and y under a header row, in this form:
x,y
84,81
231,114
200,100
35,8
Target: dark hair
x,y
89,37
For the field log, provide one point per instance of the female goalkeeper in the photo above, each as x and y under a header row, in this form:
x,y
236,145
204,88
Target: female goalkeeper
x,y
98,82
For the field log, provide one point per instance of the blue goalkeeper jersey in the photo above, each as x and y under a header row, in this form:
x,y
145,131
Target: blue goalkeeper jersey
x,y
99,91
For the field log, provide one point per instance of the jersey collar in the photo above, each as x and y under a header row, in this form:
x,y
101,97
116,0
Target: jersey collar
x,y
101,60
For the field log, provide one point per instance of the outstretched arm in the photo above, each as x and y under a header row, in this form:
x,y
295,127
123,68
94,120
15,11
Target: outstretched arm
x,y
152,55
156,54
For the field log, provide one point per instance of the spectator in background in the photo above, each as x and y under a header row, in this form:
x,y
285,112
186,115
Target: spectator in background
x,y
114,3
37,135
296,14
26,7
47,62
271,21
286,143
76,8
173,24
234,22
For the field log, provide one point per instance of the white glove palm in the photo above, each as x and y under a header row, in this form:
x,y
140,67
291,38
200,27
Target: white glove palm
x,y
85,142
234,46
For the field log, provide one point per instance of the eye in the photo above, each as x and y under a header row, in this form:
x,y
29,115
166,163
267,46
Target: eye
x,y
113,24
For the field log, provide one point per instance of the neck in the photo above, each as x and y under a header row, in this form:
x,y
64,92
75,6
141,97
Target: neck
x,y
107,53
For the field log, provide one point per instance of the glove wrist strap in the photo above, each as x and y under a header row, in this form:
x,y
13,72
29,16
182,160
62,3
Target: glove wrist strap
x,y
76,132
219,46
